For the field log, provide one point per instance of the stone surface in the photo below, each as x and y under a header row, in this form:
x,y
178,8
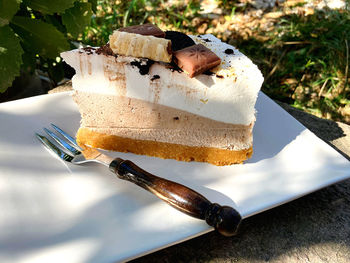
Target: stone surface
x,y
314,228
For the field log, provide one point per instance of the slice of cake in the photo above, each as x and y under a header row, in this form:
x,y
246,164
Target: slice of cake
x,y
132,104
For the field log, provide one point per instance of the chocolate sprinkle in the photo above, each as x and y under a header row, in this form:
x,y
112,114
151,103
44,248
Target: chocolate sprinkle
x,y
173,67
176,118
208,73
89,50
155,77
105,50
220,76
229,51
143,65
179,40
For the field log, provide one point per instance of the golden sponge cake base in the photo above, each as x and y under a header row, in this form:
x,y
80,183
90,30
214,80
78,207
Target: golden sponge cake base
x,y
161,149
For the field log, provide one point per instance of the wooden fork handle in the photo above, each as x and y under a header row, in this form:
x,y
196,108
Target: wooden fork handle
x,y
224,219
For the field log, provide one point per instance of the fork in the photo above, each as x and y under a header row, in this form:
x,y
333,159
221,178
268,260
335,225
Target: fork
x,y
224,219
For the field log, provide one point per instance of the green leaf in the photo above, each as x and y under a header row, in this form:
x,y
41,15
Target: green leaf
x,y
8,9
29,62
77,18
50,6
43,38
10,57
55,21
93,5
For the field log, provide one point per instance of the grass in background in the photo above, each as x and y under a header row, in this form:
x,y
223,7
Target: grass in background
x,y
306,63
115,14
304,57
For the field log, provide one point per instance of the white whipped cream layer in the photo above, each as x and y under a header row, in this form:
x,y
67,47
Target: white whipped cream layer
x,y
229,95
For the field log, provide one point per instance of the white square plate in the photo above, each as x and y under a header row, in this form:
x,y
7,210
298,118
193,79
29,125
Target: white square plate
x,y
52,211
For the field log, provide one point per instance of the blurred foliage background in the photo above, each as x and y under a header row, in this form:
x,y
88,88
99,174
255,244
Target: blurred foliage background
x,y
301,46
32,35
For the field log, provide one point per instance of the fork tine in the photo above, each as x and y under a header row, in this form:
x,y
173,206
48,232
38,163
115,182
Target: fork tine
x,y
62,142
53,148
67,136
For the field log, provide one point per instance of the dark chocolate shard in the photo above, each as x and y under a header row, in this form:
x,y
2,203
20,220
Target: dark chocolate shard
x,y
145,29
179,40
196,59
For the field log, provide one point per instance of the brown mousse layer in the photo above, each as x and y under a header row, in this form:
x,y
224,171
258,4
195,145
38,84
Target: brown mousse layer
x,y
140,120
